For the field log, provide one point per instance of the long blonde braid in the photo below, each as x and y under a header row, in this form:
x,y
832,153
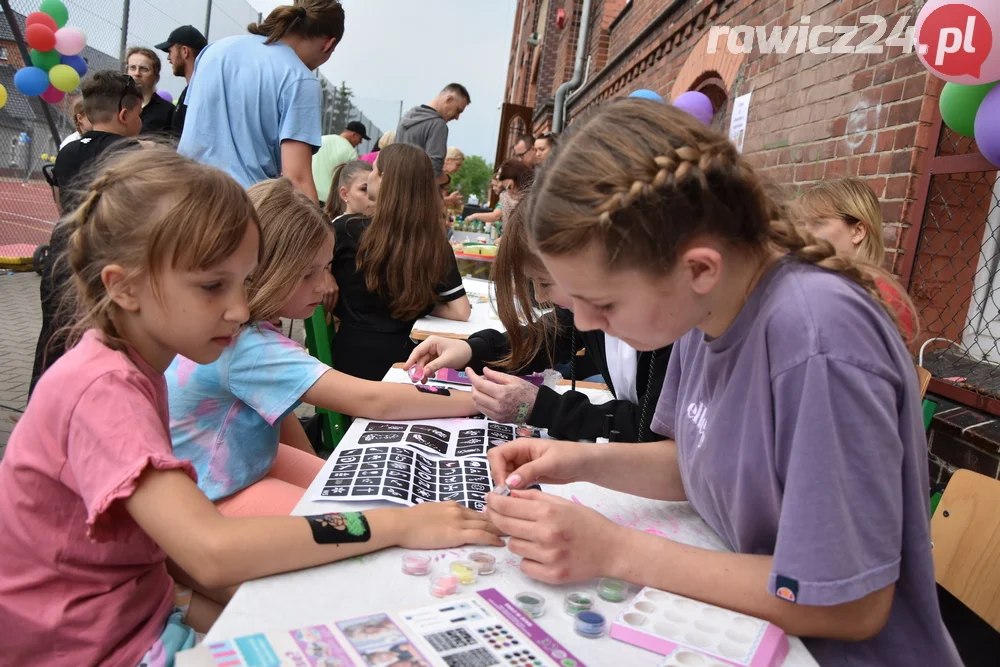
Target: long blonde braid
x,y
642,192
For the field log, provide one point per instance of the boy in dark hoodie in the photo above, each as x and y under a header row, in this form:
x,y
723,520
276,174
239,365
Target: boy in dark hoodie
x,y
426,126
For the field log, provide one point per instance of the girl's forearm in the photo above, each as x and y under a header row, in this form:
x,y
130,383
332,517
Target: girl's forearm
x,y
647,469
739,582
399,401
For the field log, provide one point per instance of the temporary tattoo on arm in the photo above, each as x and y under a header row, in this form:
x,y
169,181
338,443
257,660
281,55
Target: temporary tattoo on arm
x,y
440,391
339,528
523,410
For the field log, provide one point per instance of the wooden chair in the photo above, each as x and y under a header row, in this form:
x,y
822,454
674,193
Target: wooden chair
x,y
319,336
965,531
929,406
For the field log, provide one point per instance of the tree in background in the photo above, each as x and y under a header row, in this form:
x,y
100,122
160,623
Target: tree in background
x,y
473,178
337,108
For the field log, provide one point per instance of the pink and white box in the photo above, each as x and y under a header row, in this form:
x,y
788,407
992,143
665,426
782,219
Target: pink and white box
x,y
696,634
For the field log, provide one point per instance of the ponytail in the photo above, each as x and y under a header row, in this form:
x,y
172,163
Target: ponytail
x,y
304,18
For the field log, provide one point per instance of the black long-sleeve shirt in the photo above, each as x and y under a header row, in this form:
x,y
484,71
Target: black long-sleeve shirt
x,y
571,416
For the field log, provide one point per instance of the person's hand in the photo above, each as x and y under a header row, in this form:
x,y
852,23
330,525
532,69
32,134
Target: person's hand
x,y
472,218
560,541
500,396
331,295
527,461
454,200
438,352
444,526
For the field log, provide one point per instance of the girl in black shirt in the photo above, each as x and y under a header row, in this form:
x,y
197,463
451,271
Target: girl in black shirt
x,y
394,267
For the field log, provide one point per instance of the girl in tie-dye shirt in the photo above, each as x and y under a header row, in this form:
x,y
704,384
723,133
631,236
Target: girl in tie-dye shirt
x,y
93,502
226,417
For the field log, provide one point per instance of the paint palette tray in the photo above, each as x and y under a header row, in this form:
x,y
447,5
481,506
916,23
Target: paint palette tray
x,y
696,634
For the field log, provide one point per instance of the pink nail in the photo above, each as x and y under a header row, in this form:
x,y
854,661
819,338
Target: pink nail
x,y
514,481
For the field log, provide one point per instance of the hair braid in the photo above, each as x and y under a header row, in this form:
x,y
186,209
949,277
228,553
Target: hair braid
x,y
801,244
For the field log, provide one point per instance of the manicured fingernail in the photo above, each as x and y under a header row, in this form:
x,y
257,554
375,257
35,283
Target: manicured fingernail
x,y
514,480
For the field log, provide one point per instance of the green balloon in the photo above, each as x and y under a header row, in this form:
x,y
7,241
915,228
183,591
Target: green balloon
x,y
44,60
57,10
959,105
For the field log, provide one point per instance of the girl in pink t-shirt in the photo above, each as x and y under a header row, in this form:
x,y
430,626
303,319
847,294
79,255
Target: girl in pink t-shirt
x,y
92,499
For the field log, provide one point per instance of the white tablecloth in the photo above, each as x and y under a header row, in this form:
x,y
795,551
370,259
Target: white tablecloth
x,y
374,582
482,316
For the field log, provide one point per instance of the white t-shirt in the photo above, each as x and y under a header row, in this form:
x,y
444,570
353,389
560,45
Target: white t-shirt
x,y
70,139
623,365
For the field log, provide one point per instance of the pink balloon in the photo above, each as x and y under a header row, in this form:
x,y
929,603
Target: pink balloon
x,y
960,41
70,40
697,104
52,95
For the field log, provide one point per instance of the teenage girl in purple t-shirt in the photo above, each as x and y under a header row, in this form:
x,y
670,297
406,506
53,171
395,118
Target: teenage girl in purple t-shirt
x,y
790,410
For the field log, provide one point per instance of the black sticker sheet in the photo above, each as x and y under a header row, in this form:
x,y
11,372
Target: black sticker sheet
x,y
401,475
452,438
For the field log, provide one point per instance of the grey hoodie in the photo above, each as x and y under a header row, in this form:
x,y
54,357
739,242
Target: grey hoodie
x,y
424,127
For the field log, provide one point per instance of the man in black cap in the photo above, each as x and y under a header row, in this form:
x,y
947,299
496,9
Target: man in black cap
x,y
182,47
336,150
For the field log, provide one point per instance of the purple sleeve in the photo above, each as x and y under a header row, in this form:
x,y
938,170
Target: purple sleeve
x,y
839,456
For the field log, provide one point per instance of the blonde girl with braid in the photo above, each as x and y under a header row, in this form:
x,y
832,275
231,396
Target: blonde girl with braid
x,y
92,499
790,414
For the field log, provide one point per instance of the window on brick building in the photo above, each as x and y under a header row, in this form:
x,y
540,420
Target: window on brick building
x,y
4,54
715,88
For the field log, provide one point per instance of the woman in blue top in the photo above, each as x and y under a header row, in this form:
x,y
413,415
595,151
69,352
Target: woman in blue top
x,y
253,104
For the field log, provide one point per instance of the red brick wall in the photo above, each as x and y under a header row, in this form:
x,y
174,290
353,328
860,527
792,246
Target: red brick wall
x,y
13,55
812,116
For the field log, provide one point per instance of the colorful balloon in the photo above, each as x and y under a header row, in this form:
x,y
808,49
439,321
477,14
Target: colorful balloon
x,y
960,41
64,78
697,104
40,37
45,60
987,127
31,81
70,40
53,95
56,9
959,105
76,62
165,94
43,19
644,94
3,96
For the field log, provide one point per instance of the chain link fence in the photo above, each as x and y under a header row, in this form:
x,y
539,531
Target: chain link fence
x,y
955,282
339,110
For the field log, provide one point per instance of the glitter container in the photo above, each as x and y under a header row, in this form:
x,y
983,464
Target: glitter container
x,y
416,373
465,571
444,585
416,564
525,431
574,603
589,624
531,604
612,590
484,562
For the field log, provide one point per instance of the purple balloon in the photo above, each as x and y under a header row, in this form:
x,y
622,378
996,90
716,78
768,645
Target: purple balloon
x,y
987,127
76,62
165,94
697,104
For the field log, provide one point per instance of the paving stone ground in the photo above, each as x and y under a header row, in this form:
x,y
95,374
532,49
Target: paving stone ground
x,y
20,320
